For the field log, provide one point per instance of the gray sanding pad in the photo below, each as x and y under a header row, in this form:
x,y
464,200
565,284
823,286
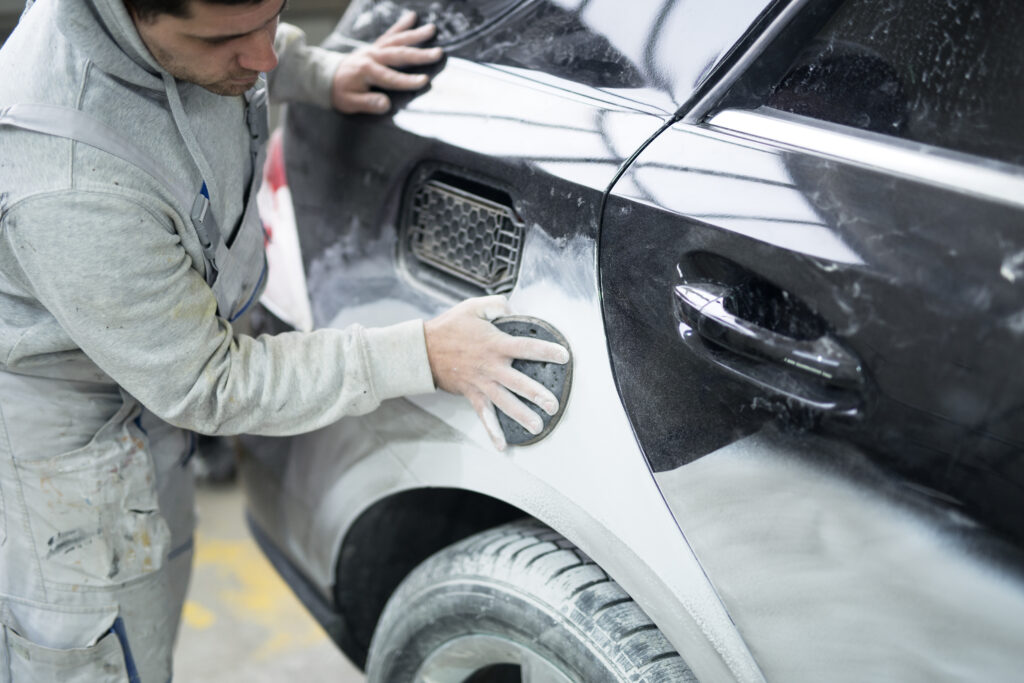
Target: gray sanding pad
x,y
557,378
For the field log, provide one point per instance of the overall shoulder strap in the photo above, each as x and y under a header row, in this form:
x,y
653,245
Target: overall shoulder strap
x,y
76,125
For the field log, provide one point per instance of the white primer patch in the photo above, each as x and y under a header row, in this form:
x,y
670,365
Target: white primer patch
x,y
1013,267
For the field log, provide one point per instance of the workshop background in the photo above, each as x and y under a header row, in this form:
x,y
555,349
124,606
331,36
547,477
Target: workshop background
x,y
241,621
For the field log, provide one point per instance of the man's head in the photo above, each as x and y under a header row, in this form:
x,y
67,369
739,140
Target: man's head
x,y
150,9
221,45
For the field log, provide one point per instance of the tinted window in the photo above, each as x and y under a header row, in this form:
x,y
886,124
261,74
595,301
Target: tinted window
x,y
454,18
944,72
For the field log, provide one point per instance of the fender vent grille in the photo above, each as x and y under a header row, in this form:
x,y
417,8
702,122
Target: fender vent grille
x,y
464,235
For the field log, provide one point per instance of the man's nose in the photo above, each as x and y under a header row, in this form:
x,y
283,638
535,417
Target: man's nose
x,y
258,52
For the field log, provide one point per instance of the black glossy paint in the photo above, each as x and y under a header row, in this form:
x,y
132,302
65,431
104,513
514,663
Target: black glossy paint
x,y
910,278
915,290
896,274
556,192
917,283
655,52
456,20
547,153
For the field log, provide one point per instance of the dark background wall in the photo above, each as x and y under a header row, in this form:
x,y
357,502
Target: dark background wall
x,y
9,11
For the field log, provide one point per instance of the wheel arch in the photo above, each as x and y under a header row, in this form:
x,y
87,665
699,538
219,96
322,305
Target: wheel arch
x,y
390,538
310,499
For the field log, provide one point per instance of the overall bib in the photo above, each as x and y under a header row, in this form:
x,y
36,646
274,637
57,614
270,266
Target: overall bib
x,y
96,540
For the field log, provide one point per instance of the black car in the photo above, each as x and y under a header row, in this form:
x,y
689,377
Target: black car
x,y
785,243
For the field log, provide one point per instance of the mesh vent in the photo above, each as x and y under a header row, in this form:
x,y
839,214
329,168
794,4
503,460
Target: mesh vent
x,y
465,235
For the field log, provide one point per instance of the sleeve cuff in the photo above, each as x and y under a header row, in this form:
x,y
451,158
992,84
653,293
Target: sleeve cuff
x,y
324,65
398,363
305,73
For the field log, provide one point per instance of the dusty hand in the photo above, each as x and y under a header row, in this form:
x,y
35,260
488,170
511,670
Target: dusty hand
x,y
470,356
370,66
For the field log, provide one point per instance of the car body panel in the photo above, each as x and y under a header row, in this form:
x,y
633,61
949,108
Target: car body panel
x,y
313,494
787,532
876,256
656,55
832,572
888,536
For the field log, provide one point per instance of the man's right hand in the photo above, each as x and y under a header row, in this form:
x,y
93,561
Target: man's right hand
x,y
376,66
470,356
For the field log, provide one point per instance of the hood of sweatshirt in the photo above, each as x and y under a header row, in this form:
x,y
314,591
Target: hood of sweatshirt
x,y
104,30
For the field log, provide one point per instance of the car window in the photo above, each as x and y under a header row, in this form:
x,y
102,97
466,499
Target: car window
x,y
947,73
454,19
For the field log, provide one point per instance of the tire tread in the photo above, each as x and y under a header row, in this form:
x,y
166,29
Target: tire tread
x,y
624,625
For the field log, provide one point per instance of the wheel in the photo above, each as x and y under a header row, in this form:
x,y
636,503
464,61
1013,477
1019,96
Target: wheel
x,y
518,603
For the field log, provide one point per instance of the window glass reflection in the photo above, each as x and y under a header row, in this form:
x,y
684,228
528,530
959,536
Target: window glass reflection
x,y
942,72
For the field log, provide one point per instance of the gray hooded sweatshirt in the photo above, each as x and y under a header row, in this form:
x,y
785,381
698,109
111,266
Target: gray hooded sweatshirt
x,y
105,308
102,289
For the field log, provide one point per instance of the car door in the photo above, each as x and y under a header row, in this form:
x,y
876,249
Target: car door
x,y
812,287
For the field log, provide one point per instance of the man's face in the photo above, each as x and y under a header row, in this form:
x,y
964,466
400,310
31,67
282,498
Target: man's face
x,y
222,48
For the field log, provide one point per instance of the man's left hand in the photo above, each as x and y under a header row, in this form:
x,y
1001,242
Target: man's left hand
x,y
372,66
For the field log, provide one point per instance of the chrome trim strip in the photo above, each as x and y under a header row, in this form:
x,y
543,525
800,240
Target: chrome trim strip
x,y
982,177
703,106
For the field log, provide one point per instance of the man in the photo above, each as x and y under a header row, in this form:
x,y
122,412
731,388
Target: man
x,y
130,137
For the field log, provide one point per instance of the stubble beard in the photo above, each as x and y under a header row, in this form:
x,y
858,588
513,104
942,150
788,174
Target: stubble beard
x,y
228,87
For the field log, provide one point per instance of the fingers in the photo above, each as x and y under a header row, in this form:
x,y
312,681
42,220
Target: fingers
x,y
485,411
371,66
517,410
364,103
470,356
415,36
528,348
406,20
489,307
364,70
385,77
407,56
530,389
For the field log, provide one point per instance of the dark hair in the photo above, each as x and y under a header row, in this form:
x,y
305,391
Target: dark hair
x,y
148,10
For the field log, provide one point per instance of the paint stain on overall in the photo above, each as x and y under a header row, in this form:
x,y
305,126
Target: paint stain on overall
x,y
66,541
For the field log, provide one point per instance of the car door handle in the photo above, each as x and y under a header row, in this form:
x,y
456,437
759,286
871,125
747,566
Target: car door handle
x,y
818,371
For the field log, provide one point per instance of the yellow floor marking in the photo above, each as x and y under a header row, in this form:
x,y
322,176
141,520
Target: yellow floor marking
x,y
196,616
256,594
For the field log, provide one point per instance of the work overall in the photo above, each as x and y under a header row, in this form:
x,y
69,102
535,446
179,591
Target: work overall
x,y
96,539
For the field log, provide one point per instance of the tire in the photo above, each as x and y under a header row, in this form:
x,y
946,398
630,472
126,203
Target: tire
x,y
517,603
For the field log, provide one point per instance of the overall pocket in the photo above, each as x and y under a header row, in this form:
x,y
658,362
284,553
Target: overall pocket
x,y
29,662
93,511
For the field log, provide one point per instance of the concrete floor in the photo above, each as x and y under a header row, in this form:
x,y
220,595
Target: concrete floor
x,y
241,622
